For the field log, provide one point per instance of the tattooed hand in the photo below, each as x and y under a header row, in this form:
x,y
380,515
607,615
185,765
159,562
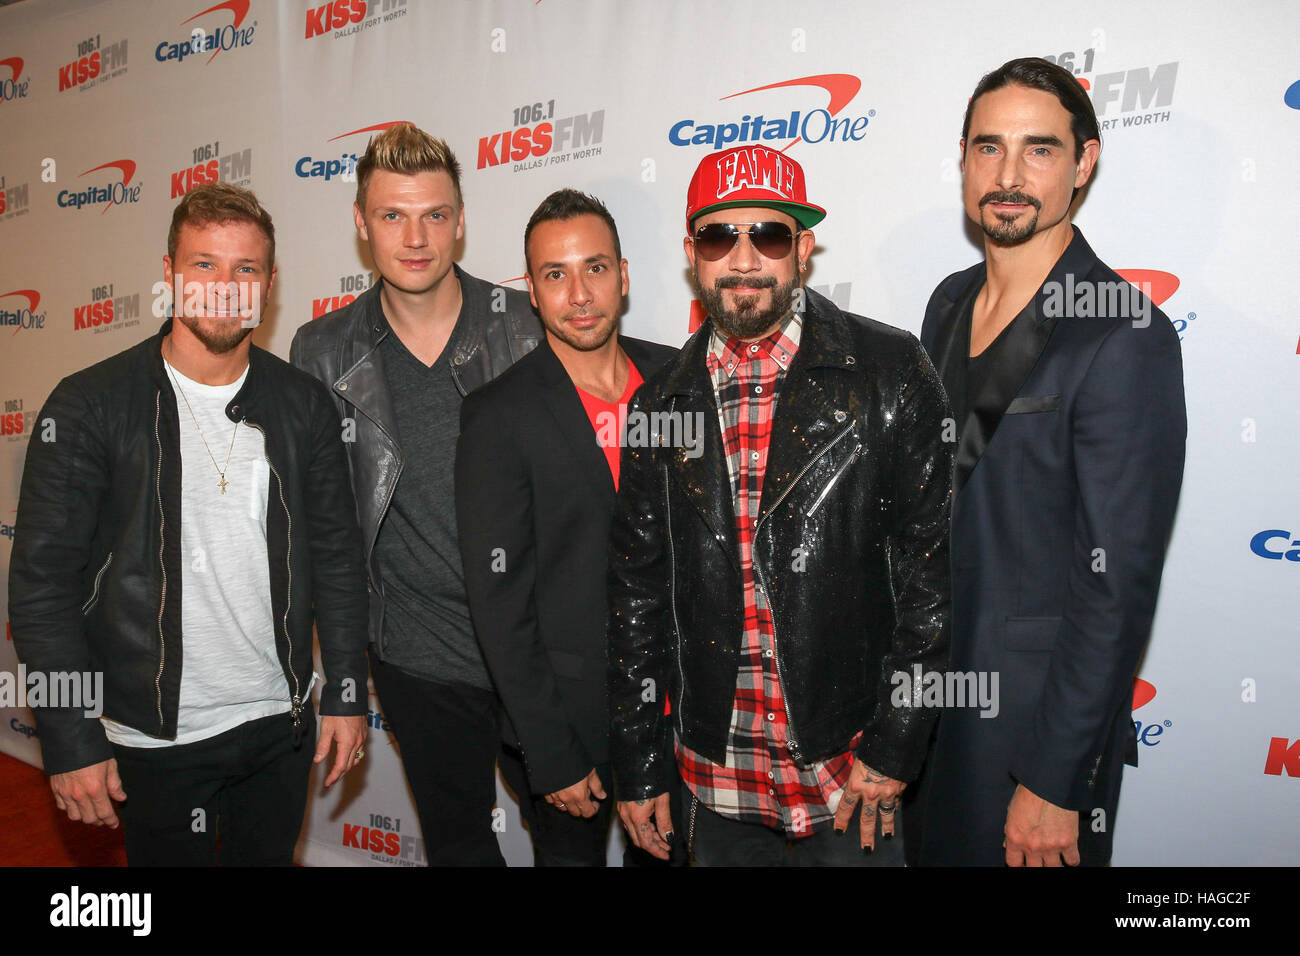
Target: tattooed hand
x,y
649,824
878,795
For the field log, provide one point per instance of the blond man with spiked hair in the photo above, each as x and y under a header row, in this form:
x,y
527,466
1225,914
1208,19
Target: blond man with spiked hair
x,y
398,362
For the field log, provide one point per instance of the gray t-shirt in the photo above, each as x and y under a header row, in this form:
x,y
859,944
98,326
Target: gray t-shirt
x,y
427,627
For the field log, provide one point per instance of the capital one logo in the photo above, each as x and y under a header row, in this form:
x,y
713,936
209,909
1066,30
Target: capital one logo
x,y
816,125
231,36
1159,287
114,194
19,317
13,87
1149,733
344,166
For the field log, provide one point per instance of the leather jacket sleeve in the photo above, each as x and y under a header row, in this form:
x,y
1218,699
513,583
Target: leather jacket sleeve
x,y
338,577
641,629
895,742
64,484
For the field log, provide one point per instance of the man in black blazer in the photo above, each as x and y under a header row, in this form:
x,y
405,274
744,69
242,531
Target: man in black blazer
x,y
536,472
1070,420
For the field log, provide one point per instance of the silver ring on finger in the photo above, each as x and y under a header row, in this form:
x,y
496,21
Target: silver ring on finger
x,y
888,808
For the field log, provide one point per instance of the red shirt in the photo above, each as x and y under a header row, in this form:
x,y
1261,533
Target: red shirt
x,y
609,419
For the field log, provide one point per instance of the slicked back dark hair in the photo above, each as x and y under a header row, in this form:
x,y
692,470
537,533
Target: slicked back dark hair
x,y
1038,74
566,204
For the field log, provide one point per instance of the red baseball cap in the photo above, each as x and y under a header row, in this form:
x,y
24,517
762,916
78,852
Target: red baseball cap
x,y
750,176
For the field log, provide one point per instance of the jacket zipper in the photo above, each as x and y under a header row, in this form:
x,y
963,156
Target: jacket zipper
x,y
296,711
834,478
162,528
790,740
94,594
672,600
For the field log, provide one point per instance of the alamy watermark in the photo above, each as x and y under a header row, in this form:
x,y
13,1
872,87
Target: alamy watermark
x,y
83,690
1117,299
638,429
946,689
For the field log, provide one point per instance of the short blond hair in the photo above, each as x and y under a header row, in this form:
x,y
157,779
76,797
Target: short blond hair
x,y
217,203
404,148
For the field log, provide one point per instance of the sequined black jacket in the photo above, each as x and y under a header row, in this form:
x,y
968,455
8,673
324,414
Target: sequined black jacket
x,y
851,546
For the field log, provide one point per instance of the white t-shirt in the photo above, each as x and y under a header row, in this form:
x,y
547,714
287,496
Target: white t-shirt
x,y
230,672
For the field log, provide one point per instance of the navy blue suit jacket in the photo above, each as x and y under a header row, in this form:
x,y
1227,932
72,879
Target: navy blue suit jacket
x,y
1068,470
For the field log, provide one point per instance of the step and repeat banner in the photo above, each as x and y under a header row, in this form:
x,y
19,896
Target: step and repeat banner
x,y
110,111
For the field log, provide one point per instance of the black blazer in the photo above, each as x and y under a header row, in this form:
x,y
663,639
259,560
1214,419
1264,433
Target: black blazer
x,y
1067,478
534,496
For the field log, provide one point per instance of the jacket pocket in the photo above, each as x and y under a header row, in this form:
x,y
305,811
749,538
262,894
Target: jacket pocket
x,y
1028,404
1032,633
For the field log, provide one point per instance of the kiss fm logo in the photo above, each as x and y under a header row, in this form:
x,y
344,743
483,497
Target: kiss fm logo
x,y
350,286
538,139
348,17
231,36
14,86
114,194
13,199
94,64
818,125
384,842
209,165
344,167
1159,287
1133,91
14,425
21,318
1148,734
106,311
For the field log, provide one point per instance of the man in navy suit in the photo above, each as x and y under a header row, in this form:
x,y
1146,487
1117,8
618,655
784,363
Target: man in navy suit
x,y
1067,388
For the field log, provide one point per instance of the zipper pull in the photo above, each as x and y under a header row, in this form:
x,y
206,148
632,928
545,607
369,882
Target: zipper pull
x,y
296,714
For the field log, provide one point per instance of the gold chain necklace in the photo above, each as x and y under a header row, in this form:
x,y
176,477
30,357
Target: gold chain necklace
x,y
221,471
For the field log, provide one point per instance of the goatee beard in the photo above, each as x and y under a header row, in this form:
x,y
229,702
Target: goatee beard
x,y
746,321
1006,230
218,343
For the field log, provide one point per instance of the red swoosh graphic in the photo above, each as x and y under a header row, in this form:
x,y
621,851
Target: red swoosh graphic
x,y
237,8
1162,284
842,87
127,166
33,298
14,63
1143,691
366,129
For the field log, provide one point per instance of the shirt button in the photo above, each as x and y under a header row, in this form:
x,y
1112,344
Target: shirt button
x,y
771,716
753,349
758,389
767,653
771,775
771,791
753,455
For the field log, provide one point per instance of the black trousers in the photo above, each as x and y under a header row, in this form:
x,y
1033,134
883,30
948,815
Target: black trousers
x,y
247,786
721,841
448,737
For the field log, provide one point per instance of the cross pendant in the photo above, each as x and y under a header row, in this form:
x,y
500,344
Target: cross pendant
x,y
222,484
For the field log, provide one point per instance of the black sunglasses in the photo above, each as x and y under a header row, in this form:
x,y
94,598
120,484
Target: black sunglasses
x,y
772,239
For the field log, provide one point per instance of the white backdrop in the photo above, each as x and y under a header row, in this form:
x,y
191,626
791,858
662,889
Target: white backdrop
x,y
1196,181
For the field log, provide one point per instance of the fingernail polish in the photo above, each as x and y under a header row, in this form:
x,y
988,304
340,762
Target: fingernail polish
x,y
867,850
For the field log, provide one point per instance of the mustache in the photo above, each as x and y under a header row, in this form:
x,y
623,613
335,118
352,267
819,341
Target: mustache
x,y
1019,197
745,282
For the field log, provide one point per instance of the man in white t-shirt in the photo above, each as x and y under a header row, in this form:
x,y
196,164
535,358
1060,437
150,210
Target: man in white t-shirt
x,y
189,520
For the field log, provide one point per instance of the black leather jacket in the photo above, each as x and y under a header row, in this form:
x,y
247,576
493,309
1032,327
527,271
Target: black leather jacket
x,y
342,350
97,575
851,546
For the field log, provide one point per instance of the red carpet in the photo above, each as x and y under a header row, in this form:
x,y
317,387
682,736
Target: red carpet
x,y
34,832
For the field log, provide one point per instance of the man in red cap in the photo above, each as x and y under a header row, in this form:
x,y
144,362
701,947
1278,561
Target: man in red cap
x,y
775,583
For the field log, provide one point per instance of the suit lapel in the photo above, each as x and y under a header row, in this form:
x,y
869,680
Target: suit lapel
x,y
1026,338
570,417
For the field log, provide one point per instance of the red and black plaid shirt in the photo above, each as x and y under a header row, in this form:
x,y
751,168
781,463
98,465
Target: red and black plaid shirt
x,y
759,782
